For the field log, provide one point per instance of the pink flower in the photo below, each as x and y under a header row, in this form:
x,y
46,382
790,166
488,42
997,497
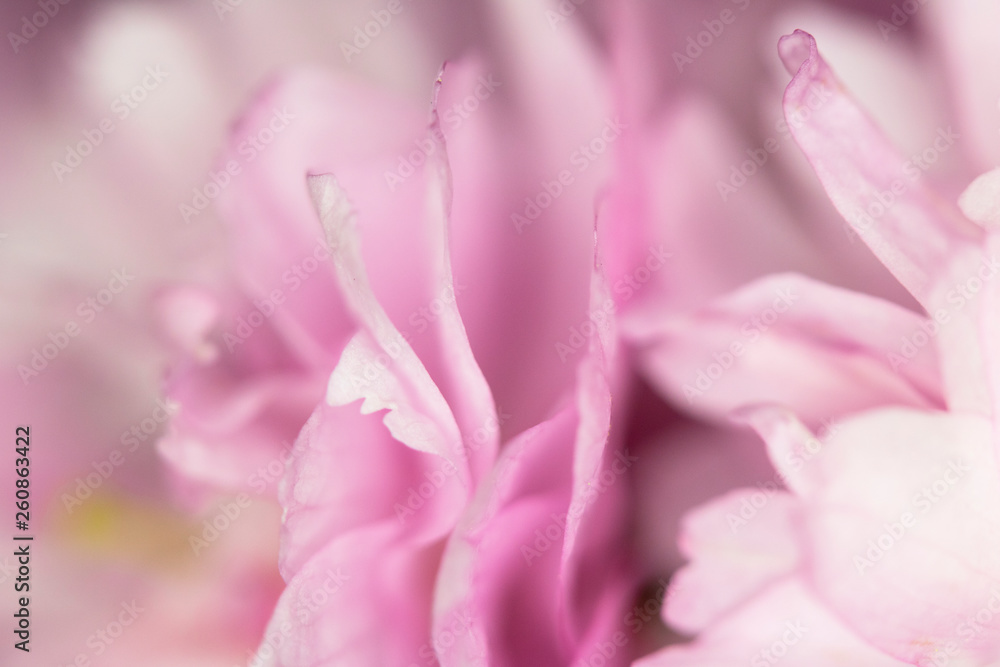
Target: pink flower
x,y
400,509
422,343
883,549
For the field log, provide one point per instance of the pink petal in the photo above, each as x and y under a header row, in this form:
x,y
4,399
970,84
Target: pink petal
x,y
785,625
924,241
601,471
907,558
379,365
790,445
242,400
686,464
738,545
347,472
542,535
547,100
963,30
989,331
501,566
875,188
981,200
787,340
361,600
266,377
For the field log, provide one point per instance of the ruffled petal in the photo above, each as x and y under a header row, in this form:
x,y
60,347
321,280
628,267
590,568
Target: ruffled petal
x,y
788,340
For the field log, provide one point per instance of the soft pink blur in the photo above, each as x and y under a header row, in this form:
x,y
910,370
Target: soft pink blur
x,y
504,360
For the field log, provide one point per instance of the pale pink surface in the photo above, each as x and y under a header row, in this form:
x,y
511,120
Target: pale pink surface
x,y
241,409
891,519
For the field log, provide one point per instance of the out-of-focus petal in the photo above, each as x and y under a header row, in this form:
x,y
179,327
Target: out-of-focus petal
x,y
242,393
686,464
786,624
819,350
903,535
336,609
964,31
738,545
981,200
538,109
